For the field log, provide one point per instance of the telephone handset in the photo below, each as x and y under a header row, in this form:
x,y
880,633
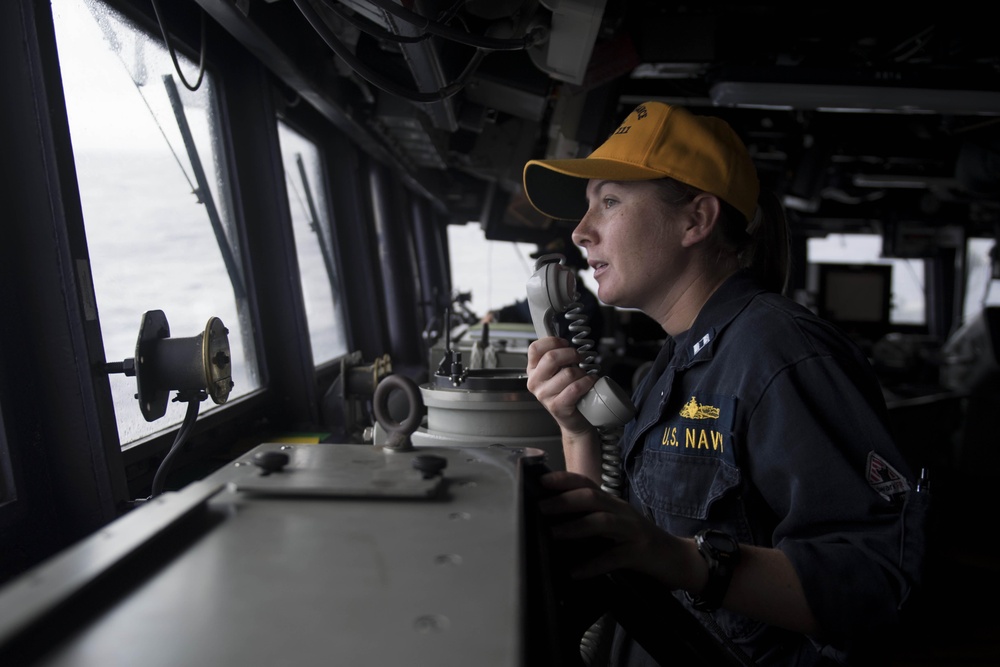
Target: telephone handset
x,y
551,292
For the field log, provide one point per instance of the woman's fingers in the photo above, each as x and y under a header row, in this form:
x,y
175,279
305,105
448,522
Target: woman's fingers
x,y
539,348
556,380
548,356
607,533
562,480
584,509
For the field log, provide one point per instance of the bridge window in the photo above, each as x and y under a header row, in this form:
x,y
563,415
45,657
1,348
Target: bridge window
x,y
305,179
493,273
154,188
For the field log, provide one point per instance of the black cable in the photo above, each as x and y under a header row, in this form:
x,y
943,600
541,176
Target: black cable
x,y
109,35
375,78
182,434
366,26
451,12
173,55
441,30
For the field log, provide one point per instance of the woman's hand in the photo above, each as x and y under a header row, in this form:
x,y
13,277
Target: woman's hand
x,y
765,586
578,509
558,382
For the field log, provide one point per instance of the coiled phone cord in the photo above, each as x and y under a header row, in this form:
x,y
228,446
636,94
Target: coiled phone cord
x,y
595,643
581,339
611,475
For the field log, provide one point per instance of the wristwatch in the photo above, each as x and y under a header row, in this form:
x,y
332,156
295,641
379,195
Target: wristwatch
x,y
722,553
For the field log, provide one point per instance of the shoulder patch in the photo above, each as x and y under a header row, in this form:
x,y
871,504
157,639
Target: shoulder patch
x,y
883,478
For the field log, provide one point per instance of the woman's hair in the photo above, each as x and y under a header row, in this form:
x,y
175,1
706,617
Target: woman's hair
x,y
768,251
761,246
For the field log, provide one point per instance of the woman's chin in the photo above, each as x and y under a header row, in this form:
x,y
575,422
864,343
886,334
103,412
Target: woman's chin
x,y
607,296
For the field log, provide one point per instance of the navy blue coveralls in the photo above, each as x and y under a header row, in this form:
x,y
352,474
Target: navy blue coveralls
x,y
766,422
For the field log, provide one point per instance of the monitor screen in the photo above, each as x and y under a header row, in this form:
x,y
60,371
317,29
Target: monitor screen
x,y
855,295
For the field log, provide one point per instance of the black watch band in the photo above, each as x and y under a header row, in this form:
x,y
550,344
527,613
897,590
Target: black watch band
x,y
722,553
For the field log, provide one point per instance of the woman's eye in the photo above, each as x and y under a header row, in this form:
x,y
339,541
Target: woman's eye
x,y
609,202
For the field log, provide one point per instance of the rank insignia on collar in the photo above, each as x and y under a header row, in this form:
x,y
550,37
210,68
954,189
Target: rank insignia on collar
x,y
705,340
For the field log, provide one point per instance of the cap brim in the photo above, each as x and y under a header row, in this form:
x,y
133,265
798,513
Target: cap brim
x,y
558,188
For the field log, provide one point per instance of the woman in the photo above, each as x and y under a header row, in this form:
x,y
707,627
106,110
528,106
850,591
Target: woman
x,y
758,422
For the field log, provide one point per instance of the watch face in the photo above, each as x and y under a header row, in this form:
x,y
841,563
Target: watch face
x,y
718,541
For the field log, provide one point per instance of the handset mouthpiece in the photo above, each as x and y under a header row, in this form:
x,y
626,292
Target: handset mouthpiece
x,y
551,290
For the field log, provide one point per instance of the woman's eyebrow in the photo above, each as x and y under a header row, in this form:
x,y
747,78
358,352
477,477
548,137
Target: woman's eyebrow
x,y
597,186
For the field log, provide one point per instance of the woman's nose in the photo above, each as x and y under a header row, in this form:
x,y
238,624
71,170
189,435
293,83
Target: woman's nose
x,y
582,233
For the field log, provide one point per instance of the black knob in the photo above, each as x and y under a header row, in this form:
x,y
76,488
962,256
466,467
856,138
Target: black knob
x,y
430,465
270,462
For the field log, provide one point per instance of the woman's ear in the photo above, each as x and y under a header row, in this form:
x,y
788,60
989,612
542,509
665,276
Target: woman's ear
x,y
702,215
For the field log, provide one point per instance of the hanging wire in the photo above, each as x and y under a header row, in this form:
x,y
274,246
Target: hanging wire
x,y
193,400
110,36
377,79
482,44
462,37
366,26
173,55
451,12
